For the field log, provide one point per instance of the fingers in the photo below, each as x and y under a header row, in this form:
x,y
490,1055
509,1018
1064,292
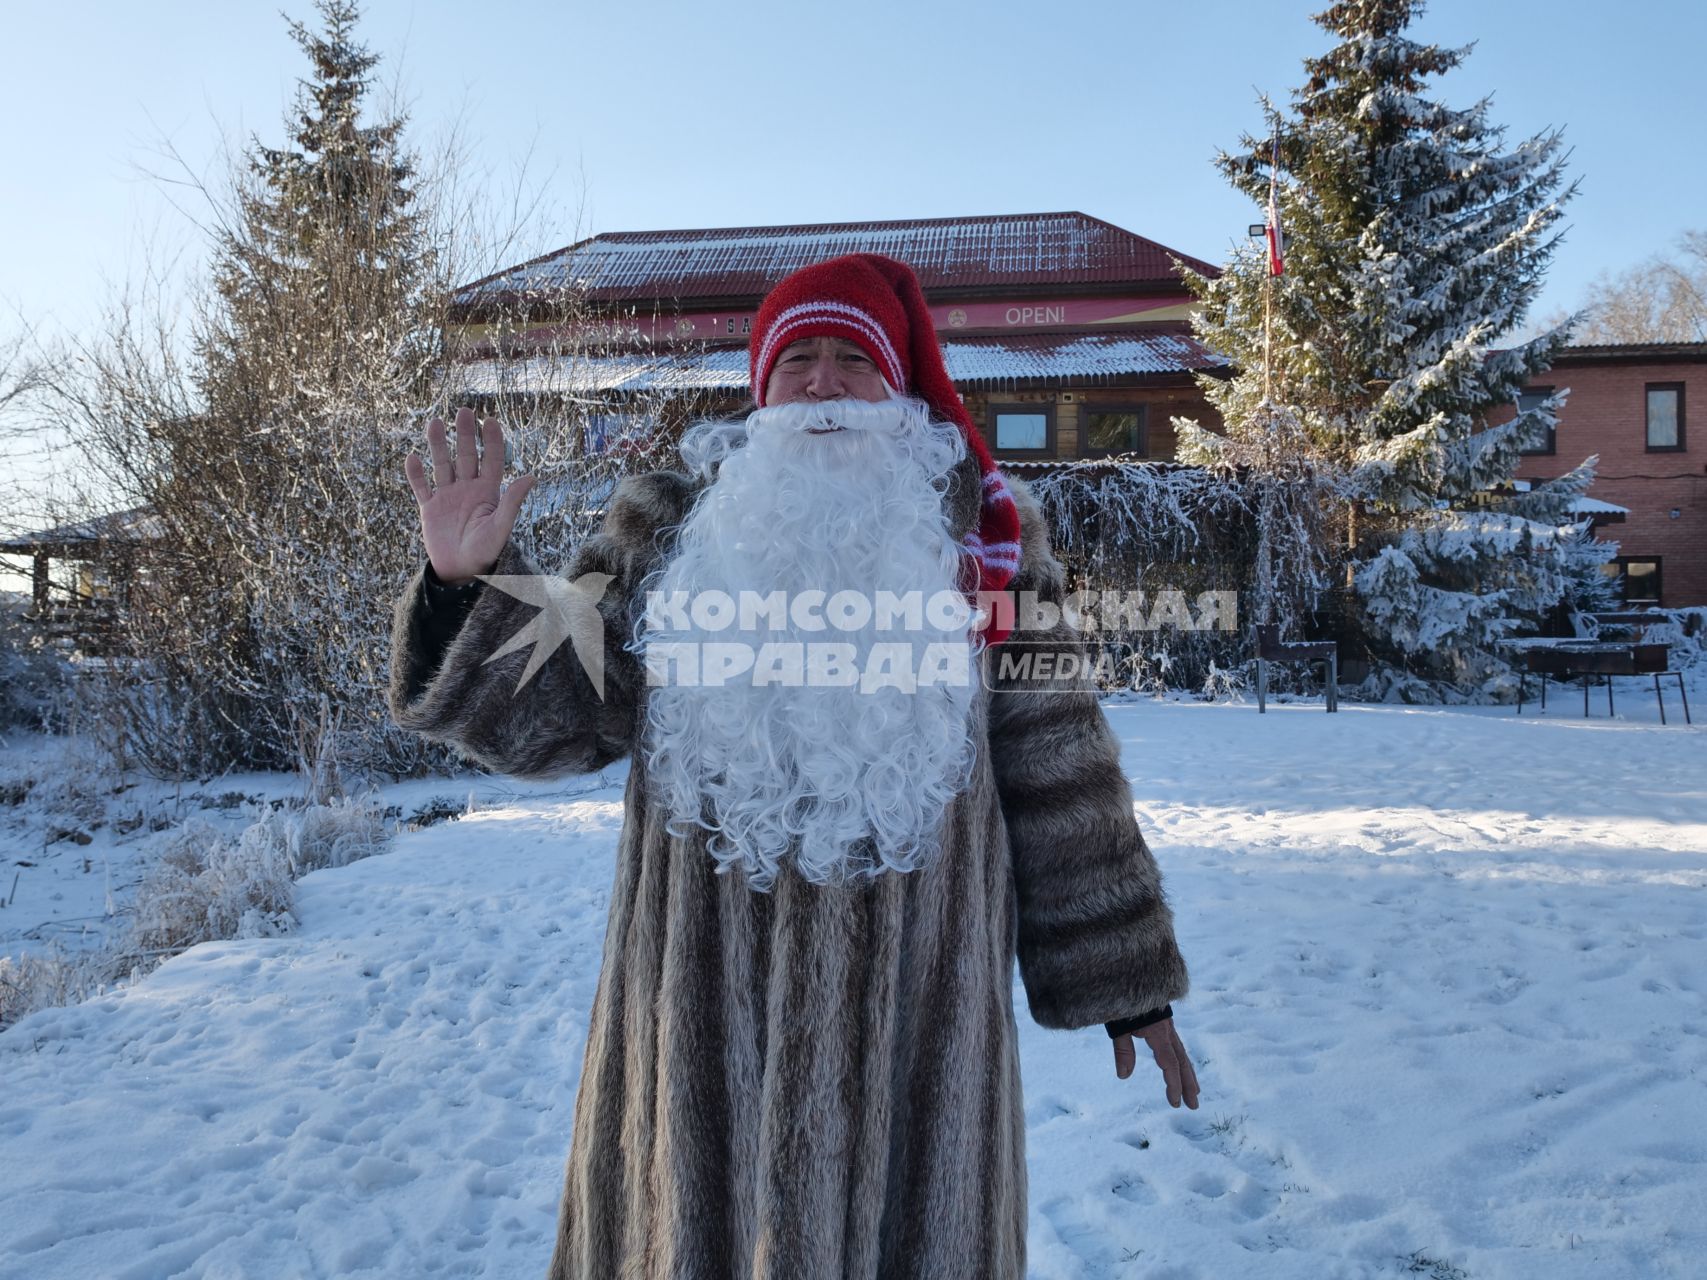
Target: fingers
x,y
510,505
1125,1056
443,471
1165,1045
1178,1075
467,460
1187,1071
492,447
1169,1064
417,477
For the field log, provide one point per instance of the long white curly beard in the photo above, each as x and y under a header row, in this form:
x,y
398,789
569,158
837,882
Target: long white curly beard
x,y
844,783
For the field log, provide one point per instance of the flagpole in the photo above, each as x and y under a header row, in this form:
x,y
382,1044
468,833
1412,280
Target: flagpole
x,y
1268,276
1267,326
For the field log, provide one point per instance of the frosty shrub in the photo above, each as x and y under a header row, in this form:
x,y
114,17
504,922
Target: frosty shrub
x,y
207,885
75,789
59,977
204,887
1587,588
1692,626
1147,527
34,680
321,835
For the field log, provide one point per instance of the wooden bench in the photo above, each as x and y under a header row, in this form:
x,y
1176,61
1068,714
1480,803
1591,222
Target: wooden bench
x,y
1271,648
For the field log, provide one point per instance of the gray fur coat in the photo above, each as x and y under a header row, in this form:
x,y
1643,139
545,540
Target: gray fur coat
x,y
813,1082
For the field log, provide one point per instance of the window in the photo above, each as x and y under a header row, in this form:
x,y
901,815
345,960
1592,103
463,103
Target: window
x,y
1665,417
1111,429
1544,440
1023,429
1638,578
606,430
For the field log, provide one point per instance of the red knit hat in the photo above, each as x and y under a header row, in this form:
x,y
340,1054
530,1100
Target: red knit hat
x,y
876,302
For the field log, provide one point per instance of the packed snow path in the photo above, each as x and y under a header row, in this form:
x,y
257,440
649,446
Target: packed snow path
x,y
1447,1009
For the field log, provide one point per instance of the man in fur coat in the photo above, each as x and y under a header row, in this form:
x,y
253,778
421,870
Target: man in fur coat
x,y
842,826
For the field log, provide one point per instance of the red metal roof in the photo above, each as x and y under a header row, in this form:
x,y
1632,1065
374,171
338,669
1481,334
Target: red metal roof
x,y
1022,250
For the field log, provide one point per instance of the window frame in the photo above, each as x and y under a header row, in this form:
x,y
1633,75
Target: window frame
x,y
619,427
1552,446
992,415
1623,563
1648,388
1087,410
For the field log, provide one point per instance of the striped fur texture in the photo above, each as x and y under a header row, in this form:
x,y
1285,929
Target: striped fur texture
x,y
815,1082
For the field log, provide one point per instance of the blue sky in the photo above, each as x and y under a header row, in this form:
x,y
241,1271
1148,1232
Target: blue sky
x,y
665,114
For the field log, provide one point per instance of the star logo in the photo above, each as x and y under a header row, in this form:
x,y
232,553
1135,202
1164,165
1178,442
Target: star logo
x,y
568,611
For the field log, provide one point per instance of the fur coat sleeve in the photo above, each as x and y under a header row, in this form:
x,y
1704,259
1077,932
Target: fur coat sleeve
x,y
1096,938
556,723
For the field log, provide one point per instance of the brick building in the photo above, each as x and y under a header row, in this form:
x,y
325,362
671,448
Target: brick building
x,y
1067,336
1630,405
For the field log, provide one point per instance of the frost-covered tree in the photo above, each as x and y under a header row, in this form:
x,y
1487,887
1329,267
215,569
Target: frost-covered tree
x,y
314,349
267,449
1661,300
1415,240
326,259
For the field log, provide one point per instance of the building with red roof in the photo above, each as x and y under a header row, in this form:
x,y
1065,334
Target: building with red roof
x,y
1068,338
1066,335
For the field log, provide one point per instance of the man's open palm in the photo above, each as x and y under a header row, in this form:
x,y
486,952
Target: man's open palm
x,y
1177,1071
465,515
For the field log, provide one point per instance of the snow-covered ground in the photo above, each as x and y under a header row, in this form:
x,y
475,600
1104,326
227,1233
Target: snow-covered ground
x,y
1448,1013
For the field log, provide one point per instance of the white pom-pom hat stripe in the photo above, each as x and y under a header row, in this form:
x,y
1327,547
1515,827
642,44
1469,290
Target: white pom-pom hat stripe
x,y
815,313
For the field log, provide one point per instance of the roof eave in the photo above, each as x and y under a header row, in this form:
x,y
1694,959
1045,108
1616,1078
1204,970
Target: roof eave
x,y
1633,353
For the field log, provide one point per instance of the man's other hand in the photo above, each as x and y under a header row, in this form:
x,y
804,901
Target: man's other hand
x,y
1164,1042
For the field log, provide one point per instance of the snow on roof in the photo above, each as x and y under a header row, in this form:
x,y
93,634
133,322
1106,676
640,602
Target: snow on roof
x,y
973,363
1594,506
1036,249
135,524
716,369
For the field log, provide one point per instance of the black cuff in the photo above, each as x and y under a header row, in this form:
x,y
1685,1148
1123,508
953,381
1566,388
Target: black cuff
x,y
441,593
434,620
1126,1026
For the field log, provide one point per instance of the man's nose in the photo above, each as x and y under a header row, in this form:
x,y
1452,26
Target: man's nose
x,y
824,382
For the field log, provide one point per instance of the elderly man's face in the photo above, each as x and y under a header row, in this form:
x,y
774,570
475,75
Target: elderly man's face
x,y
824,369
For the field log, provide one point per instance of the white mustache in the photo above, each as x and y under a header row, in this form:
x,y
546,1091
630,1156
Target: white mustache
x,y
885,417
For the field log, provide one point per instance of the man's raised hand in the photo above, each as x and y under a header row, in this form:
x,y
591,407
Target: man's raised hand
x,y
465,519
1178,1074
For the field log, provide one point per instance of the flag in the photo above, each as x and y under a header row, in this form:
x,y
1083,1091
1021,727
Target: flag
x,y
1276,244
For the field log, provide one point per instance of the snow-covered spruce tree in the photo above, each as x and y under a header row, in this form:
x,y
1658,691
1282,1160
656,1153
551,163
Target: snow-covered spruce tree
x,y
1414,240
315,350
272,461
